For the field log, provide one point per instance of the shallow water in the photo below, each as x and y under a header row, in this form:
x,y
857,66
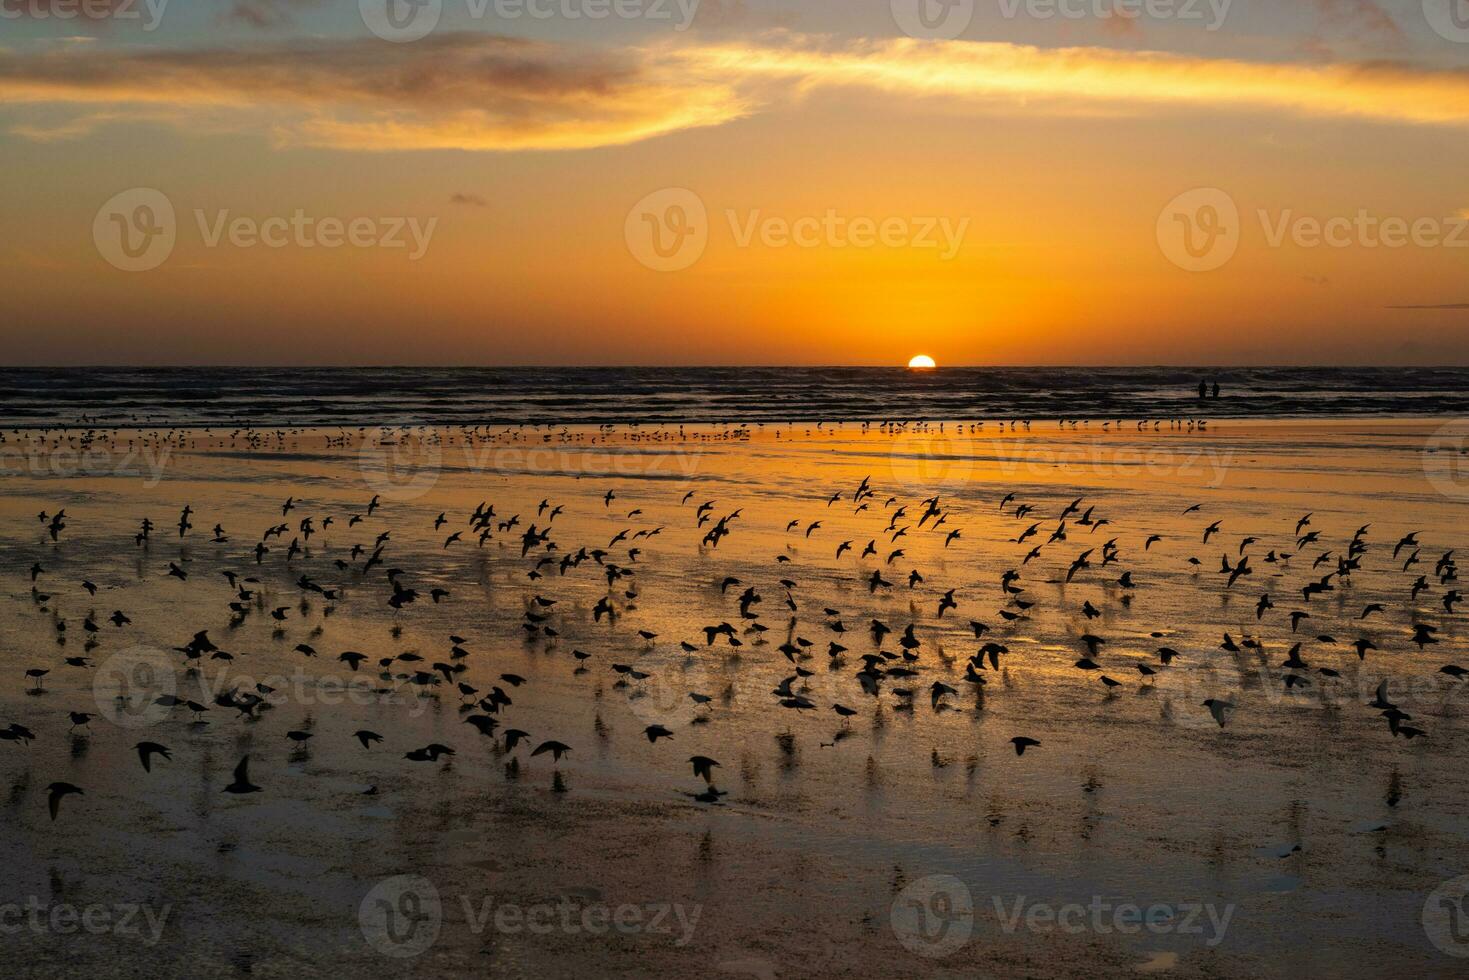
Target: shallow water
x,y
1313,836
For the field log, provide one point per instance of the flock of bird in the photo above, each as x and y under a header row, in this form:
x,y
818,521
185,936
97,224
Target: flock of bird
x,y
893,661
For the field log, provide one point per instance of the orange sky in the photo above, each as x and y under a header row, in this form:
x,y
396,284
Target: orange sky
x,y
764,187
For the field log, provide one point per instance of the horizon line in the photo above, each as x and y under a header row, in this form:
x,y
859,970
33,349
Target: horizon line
x,y
215,366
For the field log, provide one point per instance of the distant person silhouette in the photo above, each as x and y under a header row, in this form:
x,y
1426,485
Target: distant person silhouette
x,y
1203,389
1216,389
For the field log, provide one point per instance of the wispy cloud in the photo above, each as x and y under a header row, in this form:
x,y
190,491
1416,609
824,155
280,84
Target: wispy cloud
x,y
1041,77
464,91
481,92
265,14
1357,18
1356,24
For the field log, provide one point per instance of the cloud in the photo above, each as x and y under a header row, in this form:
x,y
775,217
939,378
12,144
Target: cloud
x,y
1433,306
1123,23
1361,24
731,15
265,14
473,200
1357,18
1041,78
484,92
76,127
462,91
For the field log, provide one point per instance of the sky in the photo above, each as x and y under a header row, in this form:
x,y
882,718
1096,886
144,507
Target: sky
x,y
688,182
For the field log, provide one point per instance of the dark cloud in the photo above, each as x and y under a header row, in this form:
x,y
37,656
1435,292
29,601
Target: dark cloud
x,y
1361,25
728,15
266,14
1357,18
1122,25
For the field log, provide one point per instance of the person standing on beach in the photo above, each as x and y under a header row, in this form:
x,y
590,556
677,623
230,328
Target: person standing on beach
x,y
1203,389
1216,389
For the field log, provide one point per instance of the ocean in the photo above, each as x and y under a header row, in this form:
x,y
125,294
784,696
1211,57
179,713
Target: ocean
x,y
126,397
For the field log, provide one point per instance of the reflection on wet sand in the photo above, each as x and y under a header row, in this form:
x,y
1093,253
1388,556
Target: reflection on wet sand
x,y
772,699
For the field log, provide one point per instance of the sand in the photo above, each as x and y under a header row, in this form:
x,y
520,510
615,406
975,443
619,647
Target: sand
x,y
1301,839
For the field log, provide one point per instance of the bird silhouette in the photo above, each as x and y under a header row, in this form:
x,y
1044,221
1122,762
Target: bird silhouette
x,y
58,791
146,752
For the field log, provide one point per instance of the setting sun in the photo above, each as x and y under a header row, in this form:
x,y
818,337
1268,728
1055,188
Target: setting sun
x,y
922,362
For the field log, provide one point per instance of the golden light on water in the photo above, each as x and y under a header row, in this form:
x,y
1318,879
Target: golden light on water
x,y
921,362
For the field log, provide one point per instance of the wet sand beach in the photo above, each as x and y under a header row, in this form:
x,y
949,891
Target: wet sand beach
x,y
1305,836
